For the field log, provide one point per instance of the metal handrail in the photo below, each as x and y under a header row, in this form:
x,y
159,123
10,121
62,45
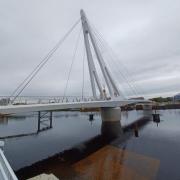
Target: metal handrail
x,y
6,169
43,100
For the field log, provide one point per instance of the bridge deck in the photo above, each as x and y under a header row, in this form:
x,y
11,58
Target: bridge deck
x,y
13,109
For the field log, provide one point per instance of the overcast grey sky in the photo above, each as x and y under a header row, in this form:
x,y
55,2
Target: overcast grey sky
x,y
145,35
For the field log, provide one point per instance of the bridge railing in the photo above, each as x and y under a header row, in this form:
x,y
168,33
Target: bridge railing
x,y
23,100
5,169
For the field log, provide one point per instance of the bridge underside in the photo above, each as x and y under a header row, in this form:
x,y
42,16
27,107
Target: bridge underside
x,y
13,109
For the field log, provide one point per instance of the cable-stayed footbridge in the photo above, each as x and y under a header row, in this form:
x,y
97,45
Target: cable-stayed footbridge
x,y
107,100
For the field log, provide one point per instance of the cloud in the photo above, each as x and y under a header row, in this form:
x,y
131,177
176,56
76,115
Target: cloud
x,y
143,34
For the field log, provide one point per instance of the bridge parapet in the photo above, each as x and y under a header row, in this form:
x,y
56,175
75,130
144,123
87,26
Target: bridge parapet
x,y
26,100
6,171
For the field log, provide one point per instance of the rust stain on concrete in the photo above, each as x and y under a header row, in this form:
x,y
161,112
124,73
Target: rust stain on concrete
x,y
111,163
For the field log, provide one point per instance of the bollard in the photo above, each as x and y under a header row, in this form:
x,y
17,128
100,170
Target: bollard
x,y
91,117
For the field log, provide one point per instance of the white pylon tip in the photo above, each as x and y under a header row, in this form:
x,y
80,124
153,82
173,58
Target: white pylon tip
x,y
82,12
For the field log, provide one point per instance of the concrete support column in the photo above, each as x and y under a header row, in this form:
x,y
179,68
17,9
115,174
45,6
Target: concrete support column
x,y
147,110
110,114
111,125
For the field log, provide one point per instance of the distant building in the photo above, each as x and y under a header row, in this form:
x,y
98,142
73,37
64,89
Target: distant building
x,y
177,97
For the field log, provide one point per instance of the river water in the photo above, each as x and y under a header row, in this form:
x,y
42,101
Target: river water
x,y
152,154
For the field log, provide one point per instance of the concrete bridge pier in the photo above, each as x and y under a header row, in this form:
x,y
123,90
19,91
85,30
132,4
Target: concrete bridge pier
x,y
147,110
111,121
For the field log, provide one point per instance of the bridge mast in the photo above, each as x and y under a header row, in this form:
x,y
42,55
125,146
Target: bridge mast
x,y
92,69
112,88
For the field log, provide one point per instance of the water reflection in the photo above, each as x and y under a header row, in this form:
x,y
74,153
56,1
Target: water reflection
x,y
136,130
3,120
125,114
17,118
77,139
156,118
111,133
111,129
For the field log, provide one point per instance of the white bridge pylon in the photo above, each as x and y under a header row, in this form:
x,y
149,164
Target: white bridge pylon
x,y
88,36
